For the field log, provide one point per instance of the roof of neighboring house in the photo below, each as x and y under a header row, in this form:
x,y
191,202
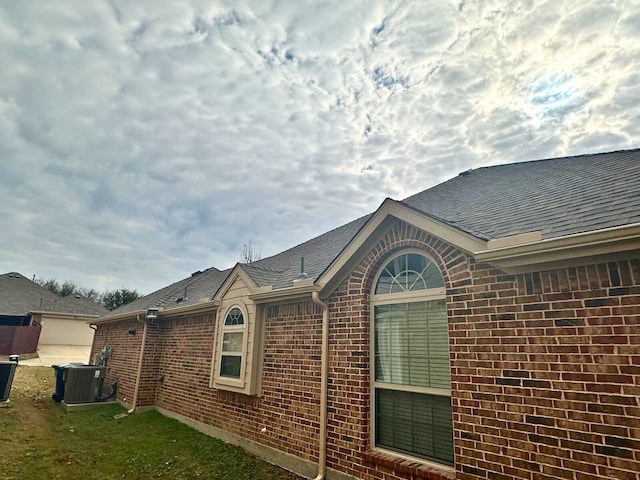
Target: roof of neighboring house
x,y
78,305
19,296
556,197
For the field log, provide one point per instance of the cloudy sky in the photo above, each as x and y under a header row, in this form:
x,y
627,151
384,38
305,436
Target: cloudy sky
x,y
143,140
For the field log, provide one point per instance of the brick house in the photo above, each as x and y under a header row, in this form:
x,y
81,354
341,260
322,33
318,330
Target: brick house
x,y
486,328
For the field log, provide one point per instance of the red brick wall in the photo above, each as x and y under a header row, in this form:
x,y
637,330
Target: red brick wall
x,y
184,363
123,364
291,378
545,371
289,404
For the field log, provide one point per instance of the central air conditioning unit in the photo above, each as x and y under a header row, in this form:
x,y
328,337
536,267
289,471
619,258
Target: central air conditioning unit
x,y
7,370
83,383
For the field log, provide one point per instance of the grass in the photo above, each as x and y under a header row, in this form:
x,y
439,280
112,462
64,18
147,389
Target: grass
x,y
39,440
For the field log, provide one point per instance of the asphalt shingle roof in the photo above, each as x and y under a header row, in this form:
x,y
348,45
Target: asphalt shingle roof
x,y
556,197
79,305
19,296
282,269
190,290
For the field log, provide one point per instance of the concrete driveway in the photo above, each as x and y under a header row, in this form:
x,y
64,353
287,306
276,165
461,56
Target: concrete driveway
x,y
59,354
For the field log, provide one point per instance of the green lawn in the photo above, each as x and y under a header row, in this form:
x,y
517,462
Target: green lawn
x,y
38,440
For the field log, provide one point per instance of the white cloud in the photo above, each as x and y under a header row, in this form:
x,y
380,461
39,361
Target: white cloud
x,y
144,140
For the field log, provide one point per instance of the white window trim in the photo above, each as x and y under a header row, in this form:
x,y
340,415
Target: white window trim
x,y
438,293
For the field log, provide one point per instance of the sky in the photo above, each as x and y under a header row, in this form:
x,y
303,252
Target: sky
x,y
141,141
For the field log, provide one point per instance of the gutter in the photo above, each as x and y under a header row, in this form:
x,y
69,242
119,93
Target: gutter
x,y
267,294
119,316
324,377
514,256
194,308
139,373
59,314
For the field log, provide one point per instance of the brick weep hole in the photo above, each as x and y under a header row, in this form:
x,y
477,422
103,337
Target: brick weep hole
x,y
545,371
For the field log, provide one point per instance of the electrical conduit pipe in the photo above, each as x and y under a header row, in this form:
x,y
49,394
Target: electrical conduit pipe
x,y
139,373
324,377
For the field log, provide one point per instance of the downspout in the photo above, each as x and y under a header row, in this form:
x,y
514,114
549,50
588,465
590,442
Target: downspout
x,y
139,374
93,340
324,377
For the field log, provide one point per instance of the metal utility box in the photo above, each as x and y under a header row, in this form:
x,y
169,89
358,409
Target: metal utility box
x,y
7,371
83,382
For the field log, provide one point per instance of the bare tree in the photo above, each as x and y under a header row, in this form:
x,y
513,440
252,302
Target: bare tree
x,y
62,289
248,254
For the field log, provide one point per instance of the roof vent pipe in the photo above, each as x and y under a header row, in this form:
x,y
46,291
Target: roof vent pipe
x,y
302,272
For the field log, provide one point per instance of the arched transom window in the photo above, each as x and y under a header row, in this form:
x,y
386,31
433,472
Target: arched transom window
x,y
411,375
408,272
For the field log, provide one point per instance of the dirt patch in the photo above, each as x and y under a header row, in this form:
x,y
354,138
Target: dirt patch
x,y
25,424
34,382
23,356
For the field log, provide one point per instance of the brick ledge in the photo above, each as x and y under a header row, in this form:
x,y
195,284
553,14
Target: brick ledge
x,y
413,468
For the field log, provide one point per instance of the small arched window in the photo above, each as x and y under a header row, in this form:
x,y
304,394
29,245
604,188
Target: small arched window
x,y
411,375
232,348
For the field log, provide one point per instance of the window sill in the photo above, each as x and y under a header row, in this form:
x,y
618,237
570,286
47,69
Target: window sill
x,y
412,467
235,386
225,382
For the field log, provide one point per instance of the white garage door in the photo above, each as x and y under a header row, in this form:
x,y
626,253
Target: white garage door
x,y
58,331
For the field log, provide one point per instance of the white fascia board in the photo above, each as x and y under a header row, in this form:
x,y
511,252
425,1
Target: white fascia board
x,y
517,258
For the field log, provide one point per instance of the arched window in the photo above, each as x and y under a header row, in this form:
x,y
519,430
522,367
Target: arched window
x,y
232,346
411,375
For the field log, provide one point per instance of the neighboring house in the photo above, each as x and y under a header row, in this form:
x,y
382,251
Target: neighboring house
x,y
485,328
31,315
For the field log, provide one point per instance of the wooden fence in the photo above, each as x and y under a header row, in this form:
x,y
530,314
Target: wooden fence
x,y
19,340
